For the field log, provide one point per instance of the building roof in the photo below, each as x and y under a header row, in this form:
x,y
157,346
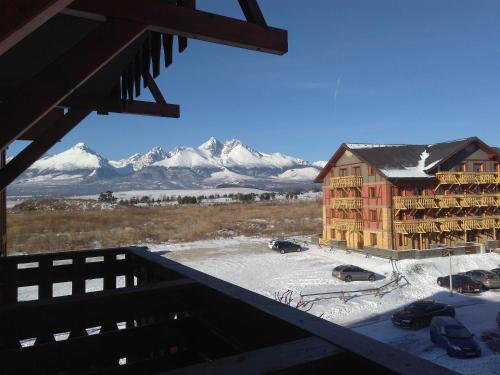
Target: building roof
x,y
405,161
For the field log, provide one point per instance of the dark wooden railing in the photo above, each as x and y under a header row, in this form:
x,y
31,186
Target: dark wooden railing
x,y
151,315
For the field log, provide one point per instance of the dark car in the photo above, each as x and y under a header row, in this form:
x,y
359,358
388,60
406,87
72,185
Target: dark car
x,y
348,273
498,319
450,334
419,314
286,246
460,283
488,279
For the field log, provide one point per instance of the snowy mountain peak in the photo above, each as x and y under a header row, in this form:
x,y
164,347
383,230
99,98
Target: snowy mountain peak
x,y
81,146
156,154
78,157
138,161
212,147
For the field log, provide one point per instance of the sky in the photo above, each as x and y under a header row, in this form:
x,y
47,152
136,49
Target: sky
x,y
386,71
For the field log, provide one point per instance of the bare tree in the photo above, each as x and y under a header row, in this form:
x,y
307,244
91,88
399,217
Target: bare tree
x,y
288,299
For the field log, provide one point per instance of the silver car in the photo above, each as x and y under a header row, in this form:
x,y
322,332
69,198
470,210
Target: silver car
x,y
489,279
350,273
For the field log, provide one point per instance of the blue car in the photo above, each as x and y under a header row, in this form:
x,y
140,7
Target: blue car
x,y
450,334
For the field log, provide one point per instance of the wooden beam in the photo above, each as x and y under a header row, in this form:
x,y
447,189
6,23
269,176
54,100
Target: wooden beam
x,y
86,351
42,125
134,107
40,146
18,18
93,309
252,12
154,89
272,359
168,18
3,210
61,78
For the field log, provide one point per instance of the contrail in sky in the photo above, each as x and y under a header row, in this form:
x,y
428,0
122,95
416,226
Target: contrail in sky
x,y
337,89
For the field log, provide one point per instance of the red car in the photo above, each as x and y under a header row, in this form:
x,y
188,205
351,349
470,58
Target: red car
x,y
460,283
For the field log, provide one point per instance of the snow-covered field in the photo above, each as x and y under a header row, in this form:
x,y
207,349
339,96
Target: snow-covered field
x,y
175,193
249,263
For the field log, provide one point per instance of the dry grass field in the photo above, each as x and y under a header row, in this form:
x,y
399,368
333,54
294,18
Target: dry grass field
x,y
71,229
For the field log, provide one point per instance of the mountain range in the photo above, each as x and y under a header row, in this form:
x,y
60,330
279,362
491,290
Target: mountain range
x,y
80,170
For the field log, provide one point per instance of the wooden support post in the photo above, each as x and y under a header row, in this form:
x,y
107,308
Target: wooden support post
x,y
45,283
78,279
3,210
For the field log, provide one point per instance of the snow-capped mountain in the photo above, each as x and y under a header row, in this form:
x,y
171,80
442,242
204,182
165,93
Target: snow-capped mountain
x,y
81,170
139,161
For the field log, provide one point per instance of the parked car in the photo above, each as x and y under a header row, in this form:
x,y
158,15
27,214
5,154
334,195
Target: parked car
x,y
286,246
488,279
350,273
419,314
452,335
496,271
460,283
270,244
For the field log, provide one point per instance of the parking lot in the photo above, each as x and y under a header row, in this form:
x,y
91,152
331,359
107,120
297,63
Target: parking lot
x,y
249,263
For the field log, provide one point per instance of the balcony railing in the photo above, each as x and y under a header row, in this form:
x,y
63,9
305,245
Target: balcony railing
x,y
467,178
446,224
353,225
347,203
446,201
346,181
414,202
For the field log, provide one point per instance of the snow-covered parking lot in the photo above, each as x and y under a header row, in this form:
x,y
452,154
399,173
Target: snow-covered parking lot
x,y
249,263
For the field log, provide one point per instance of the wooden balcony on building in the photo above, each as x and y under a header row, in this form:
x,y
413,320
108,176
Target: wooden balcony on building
x,y
467,178
347,203
415,226
352,225
445,201
414,202
346,181
447,224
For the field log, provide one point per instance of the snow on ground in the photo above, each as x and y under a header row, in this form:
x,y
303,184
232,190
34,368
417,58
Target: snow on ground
x,y
180,192
249,263
199,192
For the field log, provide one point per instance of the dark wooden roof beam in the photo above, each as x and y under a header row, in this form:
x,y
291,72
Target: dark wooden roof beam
x,y
61,78
133,107
252,11
40,145
167,18
154,89
20,17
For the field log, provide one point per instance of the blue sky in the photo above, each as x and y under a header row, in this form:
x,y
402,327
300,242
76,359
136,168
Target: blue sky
x,y
356,71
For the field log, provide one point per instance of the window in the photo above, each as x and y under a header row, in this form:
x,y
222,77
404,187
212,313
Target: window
x,y
342,235
356,171
478,167
371,172
373,239
497,167
373,215
343,172
332,234
372,192
463,167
